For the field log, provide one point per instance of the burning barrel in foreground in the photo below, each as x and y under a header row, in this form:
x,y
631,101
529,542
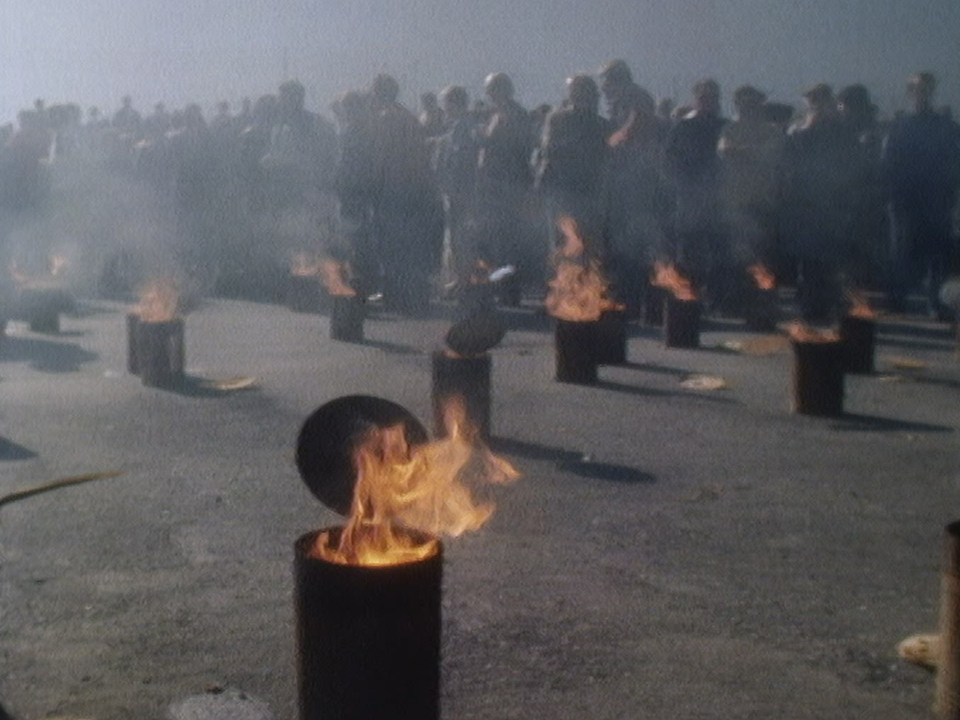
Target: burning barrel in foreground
x,y
681,316
818,369
368,636
368,593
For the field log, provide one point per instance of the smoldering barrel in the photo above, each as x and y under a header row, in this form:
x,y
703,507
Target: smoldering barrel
x,y
575,346
681,323
464,371
612,337
368,637
160,352
347,313
817,374
857,334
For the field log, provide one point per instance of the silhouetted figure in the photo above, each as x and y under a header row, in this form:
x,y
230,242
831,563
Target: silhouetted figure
x,y
869,229
504,181
573,161
922,170
431,116
820,153
407,215
457,152
703,250
638,199
751,150
127,120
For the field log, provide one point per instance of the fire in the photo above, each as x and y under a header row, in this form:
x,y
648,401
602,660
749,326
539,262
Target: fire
x,y
578,291
335,276
402,489
481,273
159,301
668,277
304,265
803,333
860,306
763,276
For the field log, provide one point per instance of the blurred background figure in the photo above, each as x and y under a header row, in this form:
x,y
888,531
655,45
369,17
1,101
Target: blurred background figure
x,y
922,171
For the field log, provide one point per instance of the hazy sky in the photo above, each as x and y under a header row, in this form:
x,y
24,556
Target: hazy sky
x,y
94,51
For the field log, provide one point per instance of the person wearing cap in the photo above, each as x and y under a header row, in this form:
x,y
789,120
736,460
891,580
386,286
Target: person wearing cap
x,y
921,165
637,199
818,159
751,151
504,183
702,251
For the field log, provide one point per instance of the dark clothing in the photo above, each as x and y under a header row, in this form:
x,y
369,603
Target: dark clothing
x,y
574,152
820,158
702,252
921,166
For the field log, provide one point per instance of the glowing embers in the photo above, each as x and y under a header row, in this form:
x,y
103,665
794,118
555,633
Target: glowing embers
x,y
425,488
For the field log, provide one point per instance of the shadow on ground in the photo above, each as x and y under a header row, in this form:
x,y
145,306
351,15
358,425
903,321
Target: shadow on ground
x,y
871,423
570,461
10,450
45,355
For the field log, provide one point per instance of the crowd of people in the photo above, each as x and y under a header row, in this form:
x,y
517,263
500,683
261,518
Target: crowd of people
x,y
830,199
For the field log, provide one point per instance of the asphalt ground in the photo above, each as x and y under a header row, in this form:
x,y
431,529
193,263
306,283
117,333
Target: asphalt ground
x,y
668,552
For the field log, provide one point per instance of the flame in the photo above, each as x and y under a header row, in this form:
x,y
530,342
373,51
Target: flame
x,y
424,489
860,306
159,301
763,276
335,276
304,265
667,276
578,291
802,333
481,273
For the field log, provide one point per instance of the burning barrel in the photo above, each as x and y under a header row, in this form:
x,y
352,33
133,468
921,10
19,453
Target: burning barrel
x,y
763,303
681,313
368,637
303,284
612,337
155,346
858,335
575,349
347,309
466,377
818,368
160,352
681,323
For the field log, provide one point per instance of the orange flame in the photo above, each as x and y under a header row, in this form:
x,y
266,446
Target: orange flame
x,y
335,276
802,333
578,291
667,276
159,301
763,276
424,488
304,265
860,306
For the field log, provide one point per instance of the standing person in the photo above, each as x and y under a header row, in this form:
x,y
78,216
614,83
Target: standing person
x,y
504,181
751,151
922,169
819,156
431,116
457,153
869,231
407,216
637,198
573,161
703,251
127,120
